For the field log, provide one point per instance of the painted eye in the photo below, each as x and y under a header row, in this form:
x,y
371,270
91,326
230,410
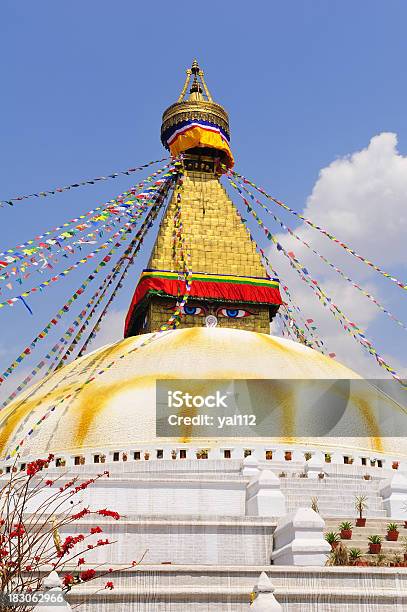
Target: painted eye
x,y
233,313
192,310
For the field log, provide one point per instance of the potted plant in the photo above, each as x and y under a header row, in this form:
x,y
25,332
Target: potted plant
x,y
355,555
346,530
392,532
124,456
328,457
307,456
282,474
339,555
372,462
395,465
375,544
396,562
146,455
367,477
288,455
360,506
381,560
404,545
333,538
314,504
321,475
173,454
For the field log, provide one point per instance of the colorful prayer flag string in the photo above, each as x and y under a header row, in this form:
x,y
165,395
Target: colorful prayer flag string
x,y
322,257
347,248
129,258
48,192
112,207
125,229
354,330
173,321
75,296
296,331
84,317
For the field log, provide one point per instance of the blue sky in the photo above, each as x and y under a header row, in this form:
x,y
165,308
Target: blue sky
x,y
84,85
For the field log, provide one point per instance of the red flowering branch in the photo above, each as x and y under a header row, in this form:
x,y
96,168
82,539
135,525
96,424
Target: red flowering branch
x,y
30,541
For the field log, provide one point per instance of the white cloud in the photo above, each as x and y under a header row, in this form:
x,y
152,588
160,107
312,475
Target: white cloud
x,y
361,199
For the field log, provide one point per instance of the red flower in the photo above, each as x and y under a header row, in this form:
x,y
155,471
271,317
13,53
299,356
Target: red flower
x,y
68,484
112,513
28,568
81,561
103,542
49,483
109,585
84,485
3,552
67,580
38,465
110,570
80,514
88,575
96,530
18,531
36,559
69,543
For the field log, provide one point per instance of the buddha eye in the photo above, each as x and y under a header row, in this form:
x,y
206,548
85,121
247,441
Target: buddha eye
x,y
192,310
233,313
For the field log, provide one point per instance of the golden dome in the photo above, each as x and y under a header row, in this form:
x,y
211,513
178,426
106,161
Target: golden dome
x,y
117,409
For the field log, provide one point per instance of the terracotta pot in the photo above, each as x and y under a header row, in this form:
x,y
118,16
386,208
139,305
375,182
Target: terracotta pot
x,y
346,534
395,465
361,522
392,536
374,549
288,455
362,563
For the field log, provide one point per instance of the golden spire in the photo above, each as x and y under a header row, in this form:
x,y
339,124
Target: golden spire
x,y
198,84
200,108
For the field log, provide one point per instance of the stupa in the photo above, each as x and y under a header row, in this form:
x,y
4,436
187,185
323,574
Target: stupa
x,y
206,505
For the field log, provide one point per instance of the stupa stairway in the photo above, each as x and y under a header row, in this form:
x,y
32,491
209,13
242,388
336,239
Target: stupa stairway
x,y
374,526
202,588
335,496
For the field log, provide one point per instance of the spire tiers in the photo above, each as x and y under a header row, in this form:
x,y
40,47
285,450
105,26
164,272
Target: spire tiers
x,y
229,283
197,121
229,286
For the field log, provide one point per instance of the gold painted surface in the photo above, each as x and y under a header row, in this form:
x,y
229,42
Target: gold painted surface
x,y
216,238
218,243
